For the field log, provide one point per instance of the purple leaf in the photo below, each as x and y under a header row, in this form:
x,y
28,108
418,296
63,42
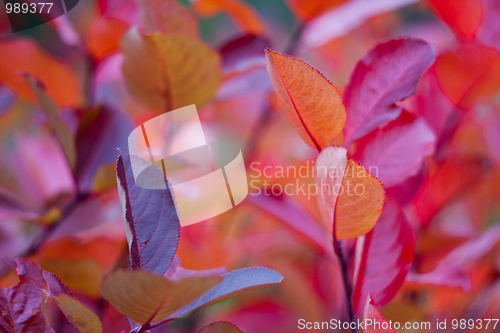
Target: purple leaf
x,y
244,62
244,53
21,305
100,133
384,257
397,150
55,285
235,283
387,74
489,30
151,219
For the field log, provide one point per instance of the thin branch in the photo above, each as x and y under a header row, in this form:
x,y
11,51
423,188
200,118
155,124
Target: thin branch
x,y
347,285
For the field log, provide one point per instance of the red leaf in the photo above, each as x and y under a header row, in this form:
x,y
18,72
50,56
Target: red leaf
x,y
387,74
306,10
443,184
473,71
397,150
383,258
463,16
378,323
21,305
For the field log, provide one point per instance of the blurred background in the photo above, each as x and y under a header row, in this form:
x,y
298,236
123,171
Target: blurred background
x,y
59,204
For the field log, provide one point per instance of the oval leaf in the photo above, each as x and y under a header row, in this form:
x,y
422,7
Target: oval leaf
x,y
145,297
311,102
360,203
350,192
151,219
235,283
168,72
397,150
64,135
220,327
387,74
330,165
386,255
21,305
82,318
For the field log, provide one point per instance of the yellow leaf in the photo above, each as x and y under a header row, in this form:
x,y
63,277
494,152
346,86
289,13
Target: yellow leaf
x,y
84,320
145,297
220,327
168,72
105,178
311,102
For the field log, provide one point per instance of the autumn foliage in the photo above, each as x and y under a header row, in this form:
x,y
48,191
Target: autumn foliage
x,y
370,131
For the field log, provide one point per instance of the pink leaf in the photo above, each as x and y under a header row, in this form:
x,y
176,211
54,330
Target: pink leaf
x,y
387,74
397,150
296,217
383,258
489,29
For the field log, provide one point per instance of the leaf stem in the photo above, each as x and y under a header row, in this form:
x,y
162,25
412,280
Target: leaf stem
x,y
345,279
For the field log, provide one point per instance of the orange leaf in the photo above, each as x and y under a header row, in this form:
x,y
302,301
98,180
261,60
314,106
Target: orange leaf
x,y
360,204
25,56
311,102
103,36
242,14
349,191
145,297
306,10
